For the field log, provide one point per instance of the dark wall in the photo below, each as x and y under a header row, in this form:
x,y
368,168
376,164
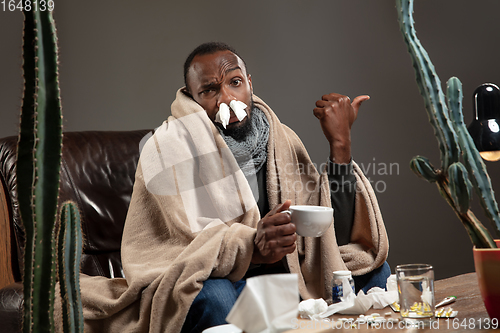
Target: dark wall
x,y
121,64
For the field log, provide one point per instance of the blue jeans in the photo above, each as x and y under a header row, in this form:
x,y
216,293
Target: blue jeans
x,y
212,305
217,297
376,278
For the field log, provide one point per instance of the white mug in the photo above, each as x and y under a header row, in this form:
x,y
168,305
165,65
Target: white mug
x,y
311,221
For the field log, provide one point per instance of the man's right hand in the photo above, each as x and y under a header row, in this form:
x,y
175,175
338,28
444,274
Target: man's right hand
x,y
275,236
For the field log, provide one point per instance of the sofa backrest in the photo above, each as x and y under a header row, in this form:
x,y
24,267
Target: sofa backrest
x,y
97,172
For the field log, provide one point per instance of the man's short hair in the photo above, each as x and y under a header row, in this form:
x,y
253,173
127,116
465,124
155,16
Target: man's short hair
x,y
207,48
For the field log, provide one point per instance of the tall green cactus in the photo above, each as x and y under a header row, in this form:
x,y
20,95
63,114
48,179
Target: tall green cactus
x,y
69,250
38,166
454,140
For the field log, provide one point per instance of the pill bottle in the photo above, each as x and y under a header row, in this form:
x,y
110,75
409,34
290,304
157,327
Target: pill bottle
x,y
337,288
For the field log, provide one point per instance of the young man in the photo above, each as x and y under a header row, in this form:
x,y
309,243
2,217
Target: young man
x,y
205,213
214,74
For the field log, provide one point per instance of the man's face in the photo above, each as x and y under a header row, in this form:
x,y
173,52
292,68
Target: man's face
x,y
218,78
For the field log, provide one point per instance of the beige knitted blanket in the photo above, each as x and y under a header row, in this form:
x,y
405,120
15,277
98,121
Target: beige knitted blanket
x,y
193,216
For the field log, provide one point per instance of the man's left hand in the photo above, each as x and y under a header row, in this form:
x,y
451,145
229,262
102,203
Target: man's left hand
x,y
336,114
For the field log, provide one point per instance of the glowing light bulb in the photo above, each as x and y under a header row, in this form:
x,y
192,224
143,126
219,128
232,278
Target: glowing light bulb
x,y
491,156
493,125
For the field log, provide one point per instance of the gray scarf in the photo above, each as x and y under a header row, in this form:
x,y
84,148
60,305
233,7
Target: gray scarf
x,y
251,153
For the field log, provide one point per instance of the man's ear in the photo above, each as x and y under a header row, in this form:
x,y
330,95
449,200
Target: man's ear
x,y
250,81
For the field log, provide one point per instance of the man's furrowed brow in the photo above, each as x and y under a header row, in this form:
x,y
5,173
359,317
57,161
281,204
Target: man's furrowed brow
x,y
214,82
233,69
209,84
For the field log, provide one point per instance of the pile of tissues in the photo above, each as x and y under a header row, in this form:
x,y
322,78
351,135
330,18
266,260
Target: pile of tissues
x,y
223,115
350,303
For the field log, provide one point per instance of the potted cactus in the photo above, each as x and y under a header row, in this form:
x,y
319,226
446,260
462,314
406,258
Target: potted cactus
x,y
462,169
50,247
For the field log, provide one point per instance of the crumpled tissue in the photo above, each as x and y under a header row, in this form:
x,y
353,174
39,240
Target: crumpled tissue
x,y
267,304
223,115
352,304
311,307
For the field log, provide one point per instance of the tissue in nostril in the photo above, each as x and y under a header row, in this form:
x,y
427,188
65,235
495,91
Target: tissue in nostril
x,y
222,116
238,109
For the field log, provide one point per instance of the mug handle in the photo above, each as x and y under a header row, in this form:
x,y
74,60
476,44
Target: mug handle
x,y
286,211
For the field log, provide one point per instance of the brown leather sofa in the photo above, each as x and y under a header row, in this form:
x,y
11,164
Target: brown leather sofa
x,y
97,172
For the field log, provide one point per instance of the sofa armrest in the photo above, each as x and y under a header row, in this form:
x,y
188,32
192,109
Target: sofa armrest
x,y
11,308
6,274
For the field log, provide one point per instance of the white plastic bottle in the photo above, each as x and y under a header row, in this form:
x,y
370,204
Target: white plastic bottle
x,y
337,288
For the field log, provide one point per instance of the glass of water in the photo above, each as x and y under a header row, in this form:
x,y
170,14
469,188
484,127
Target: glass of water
x,y
416,294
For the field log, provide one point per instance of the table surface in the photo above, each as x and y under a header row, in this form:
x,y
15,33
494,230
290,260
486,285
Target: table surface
x,y
472,315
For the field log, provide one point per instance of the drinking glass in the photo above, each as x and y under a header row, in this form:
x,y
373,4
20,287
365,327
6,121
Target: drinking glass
x,y
416,294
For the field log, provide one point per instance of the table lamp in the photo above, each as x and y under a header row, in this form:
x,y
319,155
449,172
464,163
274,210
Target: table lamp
x,y
485,128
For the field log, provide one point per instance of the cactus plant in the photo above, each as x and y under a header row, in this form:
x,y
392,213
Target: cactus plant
x,y
38,166
69,250
455,143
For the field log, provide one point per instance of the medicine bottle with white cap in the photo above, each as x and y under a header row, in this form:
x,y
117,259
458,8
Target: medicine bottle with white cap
x,y
337,288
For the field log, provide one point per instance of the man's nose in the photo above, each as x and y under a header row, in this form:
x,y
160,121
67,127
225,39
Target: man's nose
x,y
225,96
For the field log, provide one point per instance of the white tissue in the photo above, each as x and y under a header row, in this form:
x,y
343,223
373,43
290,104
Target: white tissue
x,y
267,304
223,115
376,297
238,109
392,283
426,292
311,307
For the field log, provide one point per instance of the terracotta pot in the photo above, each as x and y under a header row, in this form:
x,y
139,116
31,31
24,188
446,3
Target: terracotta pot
x,y
487,262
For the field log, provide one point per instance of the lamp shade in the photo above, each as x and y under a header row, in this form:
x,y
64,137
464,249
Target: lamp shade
x,y
485,127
